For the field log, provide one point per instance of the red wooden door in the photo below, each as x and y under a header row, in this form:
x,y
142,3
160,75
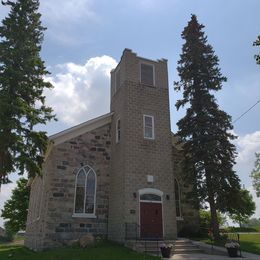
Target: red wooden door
x,y
151,220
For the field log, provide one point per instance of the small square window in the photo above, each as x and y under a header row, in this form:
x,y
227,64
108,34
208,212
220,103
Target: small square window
x,y
148,127
147,74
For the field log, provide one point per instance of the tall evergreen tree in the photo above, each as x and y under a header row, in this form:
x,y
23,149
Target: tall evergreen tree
x,y
22,103
205,129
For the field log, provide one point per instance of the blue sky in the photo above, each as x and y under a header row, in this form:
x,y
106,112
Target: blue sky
x,y
85,40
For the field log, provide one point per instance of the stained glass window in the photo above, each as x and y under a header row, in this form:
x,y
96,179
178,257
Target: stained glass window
x,y
85,191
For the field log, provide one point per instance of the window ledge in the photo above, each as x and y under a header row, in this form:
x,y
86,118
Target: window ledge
x,y
179,218
149,138
83,215
147,85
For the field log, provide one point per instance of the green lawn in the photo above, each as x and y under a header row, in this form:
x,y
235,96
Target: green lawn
x,y
249,242
107,251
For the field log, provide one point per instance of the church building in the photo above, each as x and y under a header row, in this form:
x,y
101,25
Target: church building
x,y
117,176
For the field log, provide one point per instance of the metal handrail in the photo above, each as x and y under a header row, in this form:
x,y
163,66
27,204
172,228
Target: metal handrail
x,y
230,236
132,232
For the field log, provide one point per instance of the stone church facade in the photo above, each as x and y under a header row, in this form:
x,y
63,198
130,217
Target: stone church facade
x,y
116,176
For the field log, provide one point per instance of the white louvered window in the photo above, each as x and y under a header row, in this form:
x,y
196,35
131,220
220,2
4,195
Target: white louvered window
x,y
148,127
147,74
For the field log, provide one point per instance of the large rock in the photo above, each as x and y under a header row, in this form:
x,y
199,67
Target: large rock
x,y
86,241
73,242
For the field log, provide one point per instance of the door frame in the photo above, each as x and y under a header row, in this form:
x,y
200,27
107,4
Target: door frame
x,y
150,191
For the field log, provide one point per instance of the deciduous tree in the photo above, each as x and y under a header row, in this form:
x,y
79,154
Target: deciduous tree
x,y
16,208
205,130
245,208
255,175
205,219
22,102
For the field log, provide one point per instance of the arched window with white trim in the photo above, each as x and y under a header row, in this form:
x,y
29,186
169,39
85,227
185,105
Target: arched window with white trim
x,y
177,198
85,193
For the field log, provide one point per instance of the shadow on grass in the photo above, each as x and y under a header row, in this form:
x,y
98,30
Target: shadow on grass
x,y
249,243
106,251
251,247
15,252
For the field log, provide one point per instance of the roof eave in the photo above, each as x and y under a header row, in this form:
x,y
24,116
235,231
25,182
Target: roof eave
x,y
80,129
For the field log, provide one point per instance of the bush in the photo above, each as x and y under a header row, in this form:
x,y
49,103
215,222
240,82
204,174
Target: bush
x,y
242,229
205,218
189,231
9,233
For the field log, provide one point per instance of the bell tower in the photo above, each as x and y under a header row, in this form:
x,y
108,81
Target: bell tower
x,y
142,178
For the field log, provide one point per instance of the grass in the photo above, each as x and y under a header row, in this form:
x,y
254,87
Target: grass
x,y
249,242
107,251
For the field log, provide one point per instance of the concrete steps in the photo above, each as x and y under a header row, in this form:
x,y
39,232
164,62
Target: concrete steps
x,y
185,246
180,246
145,246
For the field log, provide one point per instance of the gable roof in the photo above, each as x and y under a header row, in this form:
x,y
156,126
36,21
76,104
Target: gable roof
x,y
80,129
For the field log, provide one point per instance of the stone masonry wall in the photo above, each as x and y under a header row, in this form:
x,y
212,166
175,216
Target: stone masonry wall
x,y
135,157
117,190
35,218
189,220
58,225
149,157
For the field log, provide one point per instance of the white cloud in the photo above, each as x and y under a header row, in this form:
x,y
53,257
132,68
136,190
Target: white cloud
x,y
248,145
62,12
66,11
257,202
151,5
62,17
5,194
81,92
147,4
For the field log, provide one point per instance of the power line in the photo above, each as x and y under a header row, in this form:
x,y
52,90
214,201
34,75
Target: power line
x,y
246,112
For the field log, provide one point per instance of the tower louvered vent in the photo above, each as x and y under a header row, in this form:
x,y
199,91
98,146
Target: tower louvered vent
x,y
147,74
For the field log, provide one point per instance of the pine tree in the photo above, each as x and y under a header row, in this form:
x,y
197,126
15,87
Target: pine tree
x,y
205,129
22,103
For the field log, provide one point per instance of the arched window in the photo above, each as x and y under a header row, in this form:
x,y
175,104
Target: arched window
x,y
177,199
85,193
150,197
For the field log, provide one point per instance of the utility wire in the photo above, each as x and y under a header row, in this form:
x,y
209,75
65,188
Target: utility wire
x,y
246,112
